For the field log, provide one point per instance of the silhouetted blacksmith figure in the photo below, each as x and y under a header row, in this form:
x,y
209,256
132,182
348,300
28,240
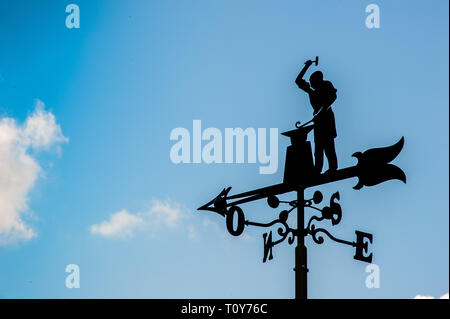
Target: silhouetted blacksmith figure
x,y
322,94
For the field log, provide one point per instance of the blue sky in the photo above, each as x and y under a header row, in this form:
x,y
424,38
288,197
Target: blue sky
x,y
133,71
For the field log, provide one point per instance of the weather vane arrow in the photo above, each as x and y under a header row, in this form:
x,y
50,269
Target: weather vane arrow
x,y
372,169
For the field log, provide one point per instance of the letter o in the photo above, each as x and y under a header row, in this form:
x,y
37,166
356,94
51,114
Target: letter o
x,y
240,220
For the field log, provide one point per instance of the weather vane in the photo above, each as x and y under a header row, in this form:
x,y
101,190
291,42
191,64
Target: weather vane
x,y
302,172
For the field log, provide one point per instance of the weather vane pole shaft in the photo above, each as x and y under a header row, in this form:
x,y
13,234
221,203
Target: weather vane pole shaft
x,y
301,269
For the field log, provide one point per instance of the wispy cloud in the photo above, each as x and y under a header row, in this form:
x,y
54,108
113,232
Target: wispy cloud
x,y
123,224
444,296
221,229
19,170
192,233
161,215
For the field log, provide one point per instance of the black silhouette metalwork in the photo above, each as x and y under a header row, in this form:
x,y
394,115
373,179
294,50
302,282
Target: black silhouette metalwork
x,y
372,168
322,95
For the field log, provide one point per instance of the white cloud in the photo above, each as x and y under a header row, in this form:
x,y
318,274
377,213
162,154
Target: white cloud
x,y
19,170
121,224
219,230
41,130
423,297
222,230
160,214
192,233
168,212
444,296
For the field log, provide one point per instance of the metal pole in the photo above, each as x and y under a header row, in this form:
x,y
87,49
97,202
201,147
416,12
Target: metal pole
x,y
301,270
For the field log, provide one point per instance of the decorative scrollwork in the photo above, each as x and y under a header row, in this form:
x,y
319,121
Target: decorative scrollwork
x,y
236,222
283,231
316,199
318,239
332,212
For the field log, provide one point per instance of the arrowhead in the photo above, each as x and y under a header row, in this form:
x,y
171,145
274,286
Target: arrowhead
x,y
218,204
